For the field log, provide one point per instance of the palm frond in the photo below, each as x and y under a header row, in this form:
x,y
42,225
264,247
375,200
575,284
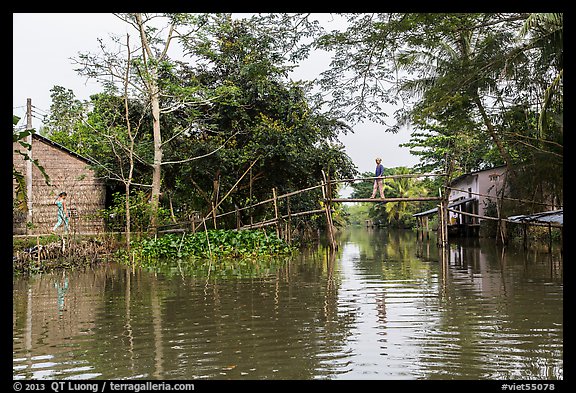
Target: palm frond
x,y
550,90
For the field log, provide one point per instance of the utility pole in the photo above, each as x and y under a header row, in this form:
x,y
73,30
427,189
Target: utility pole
x,y
29,216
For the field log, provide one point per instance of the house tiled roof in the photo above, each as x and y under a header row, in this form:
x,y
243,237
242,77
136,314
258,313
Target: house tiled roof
x,y
59,146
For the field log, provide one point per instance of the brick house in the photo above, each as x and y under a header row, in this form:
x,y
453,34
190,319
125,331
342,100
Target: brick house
x,y
68,172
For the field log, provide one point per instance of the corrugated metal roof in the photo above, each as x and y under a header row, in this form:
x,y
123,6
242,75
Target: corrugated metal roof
x,y
552,217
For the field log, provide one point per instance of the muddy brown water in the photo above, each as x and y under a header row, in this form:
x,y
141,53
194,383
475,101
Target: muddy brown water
x,y
384,306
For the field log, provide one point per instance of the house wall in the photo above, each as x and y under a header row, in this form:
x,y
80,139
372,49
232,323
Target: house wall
x,y
479,183
469,185
489,187
67,173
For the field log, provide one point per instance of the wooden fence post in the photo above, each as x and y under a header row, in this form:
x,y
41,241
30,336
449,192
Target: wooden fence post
x,y
442,221
214,214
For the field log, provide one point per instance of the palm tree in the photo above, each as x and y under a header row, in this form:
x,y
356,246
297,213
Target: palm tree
x,y
402,187
545,32
460,72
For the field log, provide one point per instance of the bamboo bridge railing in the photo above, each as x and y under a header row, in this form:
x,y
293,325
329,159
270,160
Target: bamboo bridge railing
x,y
279,220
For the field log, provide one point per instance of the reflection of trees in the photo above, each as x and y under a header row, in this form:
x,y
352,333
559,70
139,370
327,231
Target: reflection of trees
x,y
390,253
48,318
148,326
486,310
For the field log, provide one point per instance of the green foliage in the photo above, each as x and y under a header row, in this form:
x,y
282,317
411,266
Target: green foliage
x,y
461,77
228,107
115,215
213,252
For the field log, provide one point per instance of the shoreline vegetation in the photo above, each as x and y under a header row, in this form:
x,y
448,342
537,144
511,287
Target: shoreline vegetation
x,y
220,252
213,252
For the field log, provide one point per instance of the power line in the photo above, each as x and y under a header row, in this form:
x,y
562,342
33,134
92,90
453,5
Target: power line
x,y
41,110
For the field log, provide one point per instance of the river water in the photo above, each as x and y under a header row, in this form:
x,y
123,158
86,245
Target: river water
x,y
384,306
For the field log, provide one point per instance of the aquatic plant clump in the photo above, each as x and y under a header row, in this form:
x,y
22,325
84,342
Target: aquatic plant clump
x,y
217,251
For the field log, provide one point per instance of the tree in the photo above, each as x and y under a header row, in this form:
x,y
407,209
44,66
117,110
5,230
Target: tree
x,y
260,115
400,213
66,112
141,75
479,89
226,110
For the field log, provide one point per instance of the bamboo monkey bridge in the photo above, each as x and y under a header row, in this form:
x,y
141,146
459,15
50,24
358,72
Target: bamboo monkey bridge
x,y
443,228
283,222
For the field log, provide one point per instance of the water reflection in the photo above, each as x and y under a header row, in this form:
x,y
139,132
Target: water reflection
x,y
384,306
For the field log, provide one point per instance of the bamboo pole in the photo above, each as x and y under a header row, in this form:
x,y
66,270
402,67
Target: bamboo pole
x,y
289,223
385,200
501,197
328,211
439,241
442,221
237,218
276,211
388,177
251,210
272,221
213,212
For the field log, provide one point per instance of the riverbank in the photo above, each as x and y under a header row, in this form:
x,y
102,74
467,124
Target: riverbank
x,y
43,253
213,250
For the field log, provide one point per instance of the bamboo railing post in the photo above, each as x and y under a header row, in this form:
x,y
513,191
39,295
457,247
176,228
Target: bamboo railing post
x,y
440,226
442,221
251,207
289,222
237,217
276,211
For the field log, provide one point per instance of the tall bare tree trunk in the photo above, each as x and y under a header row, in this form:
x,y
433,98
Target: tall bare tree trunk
x,y
151,83
157,166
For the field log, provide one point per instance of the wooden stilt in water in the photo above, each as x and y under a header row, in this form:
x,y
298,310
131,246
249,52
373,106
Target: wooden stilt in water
x,y
328,209
442,240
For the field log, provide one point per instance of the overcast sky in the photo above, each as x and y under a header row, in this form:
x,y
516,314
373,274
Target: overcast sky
x,y
44,43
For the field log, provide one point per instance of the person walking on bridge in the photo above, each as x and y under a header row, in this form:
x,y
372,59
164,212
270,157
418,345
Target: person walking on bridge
x,y
378,182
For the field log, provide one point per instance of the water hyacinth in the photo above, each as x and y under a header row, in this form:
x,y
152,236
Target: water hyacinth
x,y
215,252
